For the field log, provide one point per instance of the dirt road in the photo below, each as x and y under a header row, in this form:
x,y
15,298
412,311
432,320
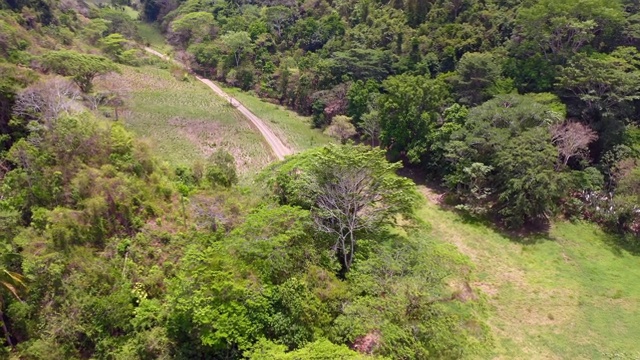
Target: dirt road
x,y
278,148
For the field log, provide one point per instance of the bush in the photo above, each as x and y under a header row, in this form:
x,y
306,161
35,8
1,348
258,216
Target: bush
x,y
221,169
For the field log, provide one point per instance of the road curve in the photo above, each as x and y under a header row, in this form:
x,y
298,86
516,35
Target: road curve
x,y
278,148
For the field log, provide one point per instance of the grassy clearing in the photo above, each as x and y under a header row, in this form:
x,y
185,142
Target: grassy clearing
x,y
567,295
151,36
184,121
294,130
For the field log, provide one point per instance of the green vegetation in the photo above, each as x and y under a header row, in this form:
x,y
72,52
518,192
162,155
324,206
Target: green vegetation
x,y
570,293
142,217
81,68
293,129
152,36
430,84
186,122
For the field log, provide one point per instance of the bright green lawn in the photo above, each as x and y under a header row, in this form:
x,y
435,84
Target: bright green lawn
x,y
568,295
185,121
294,130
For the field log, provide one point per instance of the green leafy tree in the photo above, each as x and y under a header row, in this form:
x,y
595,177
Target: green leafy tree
x,y
278,242
214,310
221,169
192,27
318,350
409,109
279,18
360,96
341,128
530,186
370,125
114,45
82,68
478,78
557,29
237,43
492,167
603,82
95,30
350,190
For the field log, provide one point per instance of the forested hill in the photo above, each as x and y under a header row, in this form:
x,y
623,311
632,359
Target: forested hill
x,y
523,109
141,217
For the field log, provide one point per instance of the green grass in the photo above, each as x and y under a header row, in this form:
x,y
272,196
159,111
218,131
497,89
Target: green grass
x,y
294,130
131,12
151,35
565,295
185,121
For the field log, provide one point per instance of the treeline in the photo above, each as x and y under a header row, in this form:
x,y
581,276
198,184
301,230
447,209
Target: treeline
x,y
523,109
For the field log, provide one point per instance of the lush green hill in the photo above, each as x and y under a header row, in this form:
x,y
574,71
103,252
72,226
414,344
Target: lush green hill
x,y
141,217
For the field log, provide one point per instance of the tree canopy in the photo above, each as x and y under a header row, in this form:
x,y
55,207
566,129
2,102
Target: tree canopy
x,y
82,68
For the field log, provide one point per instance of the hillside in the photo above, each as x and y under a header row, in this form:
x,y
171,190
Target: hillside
x,y
461,180
566,294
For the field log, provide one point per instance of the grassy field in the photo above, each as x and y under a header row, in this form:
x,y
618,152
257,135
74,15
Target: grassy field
x,y
294,130
570,294
185,121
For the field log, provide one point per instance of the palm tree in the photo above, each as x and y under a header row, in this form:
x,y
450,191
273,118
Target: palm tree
x,y
14,283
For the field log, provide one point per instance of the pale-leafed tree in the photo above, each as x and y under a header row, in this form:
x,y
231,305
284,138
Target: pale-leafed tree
x,y
341,128
114,91
45,101
572,139
370,125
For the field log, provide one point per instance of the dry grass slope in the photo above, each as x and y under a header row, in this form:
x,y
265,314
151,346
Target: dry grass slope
x,y
184,121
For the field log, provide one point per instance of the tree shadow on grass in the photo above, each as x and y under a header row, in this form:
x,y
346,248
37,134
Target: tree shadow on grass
x,y
436,193
531,234
619,242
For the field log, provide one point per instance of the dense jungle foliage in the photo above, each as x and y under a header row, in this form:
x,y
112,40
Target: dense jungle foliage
x,y
523,110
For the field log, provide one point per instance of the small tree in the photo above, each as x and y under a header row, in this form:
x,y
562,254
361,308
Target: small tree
x,y
572,139
192,27
341,128
477,76
279,17
370,124
46,100
82,68
529,187
222,169
13,284
114,92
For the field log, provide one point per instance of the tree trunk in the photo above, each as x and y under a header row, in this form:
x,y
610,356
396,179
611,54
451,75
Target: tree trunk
x,y
6,331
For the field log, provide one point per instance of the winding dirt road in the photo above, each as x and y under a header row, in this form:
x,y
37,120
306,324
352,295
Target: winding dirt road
x,y
278,148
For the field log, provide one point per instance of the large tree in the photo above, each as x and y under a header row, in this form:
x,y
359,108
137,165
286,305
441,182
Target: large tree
x,y
528,186
237,43
409,110
351,191
82,68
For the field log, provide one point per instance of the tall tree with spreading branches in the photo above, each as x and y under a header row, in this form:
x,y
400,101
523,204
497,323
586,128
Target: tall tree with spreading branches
x,y
352,191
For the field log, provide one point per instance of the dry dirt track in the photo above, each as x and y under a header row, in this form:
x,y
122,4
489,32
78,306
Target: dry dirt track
x,y
279,149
